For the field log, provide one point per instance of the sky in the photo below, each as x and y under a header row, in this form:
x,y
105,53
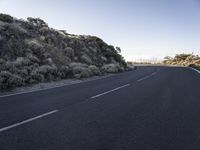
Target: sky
x,y
144,29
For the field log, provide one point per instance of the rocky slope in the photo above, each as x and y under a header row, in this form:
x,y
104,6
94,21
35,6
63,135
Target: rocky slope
x,y
32,52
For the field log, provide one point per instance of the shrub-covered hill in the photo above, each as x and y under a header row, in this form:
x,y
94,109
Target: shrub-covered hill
x,y
184,60
32,52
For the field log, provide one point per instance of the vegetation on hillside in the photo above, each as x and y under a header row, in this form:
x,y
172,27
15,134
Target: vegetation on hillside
x,y
32,52
189,60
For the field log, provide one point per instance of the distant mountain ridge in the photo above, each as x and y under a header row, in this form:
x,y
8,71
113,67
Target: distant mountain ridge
x,y
32,52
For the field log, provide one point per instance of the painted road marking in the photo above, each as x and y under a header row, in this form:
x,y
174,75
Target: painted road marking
x,y
146,77
104,93
194,69
27,121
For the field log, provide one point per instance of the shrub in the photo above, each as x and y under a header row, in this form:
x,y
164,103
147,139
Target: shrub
x,y
44,30
23,73
32,58
17,29
33,43
74,65
94,70
21,61
8,66
83,71
49,72
111,68
61,33
80,70
86,59
49,61
36,77
9,80
64,72
6,18
37,22
104,59
2,62
58,57
69,52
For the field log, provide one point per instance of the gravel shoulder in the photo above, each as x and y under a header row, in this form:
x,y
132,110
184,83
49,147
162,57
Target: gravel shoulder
x,y
49,85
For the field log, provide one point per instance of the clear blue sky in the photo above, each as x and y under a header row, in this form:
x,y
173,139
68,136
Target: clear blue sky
x,y
142,28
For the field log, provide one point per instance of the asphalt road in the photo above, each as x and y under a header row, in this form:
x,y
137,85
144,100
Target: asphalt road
x,y
152,108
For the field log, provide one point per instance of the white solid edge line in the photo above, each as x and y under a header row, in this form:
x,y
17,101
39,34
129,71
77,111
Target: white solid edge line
x,y
104,93
27,121
194,69
38,90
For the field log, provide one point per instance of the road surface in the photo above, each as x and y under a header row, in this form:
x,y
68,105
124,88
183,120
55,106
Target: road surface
x,y
152,108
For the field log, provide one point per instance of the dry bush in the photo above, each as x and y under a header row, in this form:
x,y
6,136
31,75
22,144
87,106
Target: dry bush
x,y
94,70
79,70
6,18
86,59
111,68
9,80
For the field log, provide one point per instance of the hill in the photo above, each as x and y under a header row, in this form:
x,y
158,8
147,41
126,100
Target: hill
x,y
32,52
189,60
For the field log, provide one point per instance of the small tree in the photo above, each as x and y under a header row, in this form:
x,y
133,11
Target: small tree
x,y
118,49
6,18
37,22
168,58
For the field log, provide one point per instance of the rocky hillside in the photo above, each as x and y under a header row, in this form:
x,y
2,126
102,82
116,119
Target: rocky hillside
x,y
32,52
184,60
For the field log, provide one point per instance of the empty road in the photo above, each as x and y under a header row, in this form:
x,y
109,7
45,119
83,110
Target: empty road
x,y
152,108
